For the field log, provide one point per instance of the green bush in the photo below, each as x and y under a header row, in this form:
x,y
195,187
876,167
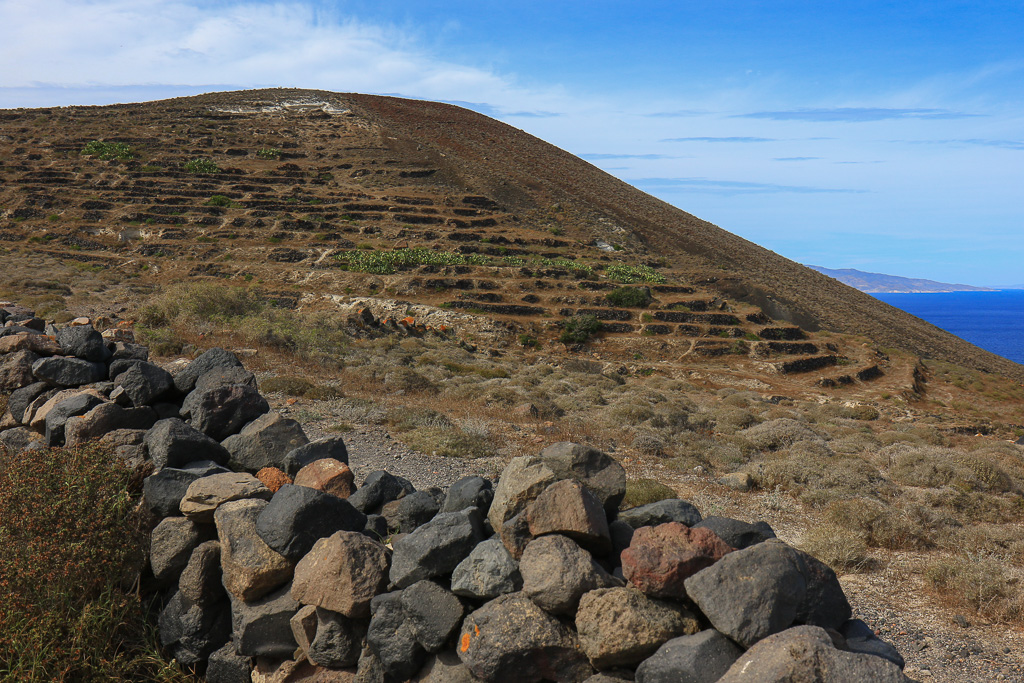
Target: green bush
x,y
629,297
388,262
268,153
201,166
620,272
72,550
108,151
579,329
220,200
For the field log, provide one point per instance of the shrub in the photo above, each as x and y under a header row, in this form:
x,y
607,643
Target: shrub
x,y
883,526
778,433
200,165
839,548
72,549
980,582
935,467
620,272
300,386
108,151
579,329
268,153
629,297
388,262
643,491
220,200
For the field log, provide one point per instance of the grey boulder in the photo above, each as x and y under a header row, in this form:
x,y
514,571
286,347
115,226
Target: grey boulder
x,y
297,517
488,572
699,658
436,548
264,442
172,443
327,447
660,512
557,572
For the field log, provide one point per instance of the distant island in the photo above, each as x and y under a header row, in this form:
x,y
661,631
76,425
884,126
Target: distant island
x,y
879,283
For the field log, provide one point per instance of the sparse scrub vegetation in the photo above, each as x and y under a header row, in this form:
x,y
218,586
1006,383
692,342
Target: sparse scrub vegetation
x,y
72,550
579,329
626,274
644,491
629,297
201,166
109,151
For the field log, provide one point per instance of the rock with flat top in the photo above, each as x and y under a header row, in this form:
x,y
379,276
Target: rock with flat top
x,y
264,442
568,508
328,475
698,658
206,494
595,469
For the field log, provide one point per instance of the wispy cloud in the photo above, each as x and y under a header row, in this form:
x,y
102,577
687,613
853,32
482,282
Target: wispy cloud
x,y
602,157
722,139
532,114
854,114
796,158
979,142
706,185
677,114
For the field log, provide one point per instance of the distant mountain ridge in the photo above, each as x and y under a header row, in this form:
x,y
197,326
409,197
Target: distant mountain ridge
x,y
880,283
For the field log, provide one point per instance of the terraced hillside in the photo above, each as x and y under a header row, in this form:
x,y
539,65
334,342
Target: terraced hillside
x,y
424,210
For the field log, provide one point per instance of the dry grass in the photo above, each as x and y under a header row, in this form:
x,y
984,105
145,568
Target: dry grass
x,y
644,491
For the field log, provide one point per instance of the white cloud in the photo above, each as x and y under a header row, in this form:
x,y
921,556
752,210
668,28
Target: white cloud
x,y
120,42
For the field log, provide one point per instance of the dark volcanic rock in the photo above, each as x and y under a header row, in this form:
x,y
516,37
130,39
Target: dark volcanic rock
x,y
567,507
511,640
328,447
264,442
861,638
162,492
379,488
172,443
106,418
669,510
412,510
297,517
144,383
21,398
185,380
68,372
472,491
338,641
436,548
433,612
262,627
192,632
736,533
806,653
488,572
699,658
82,341
596,470
79,404
223,410
392,637
752,593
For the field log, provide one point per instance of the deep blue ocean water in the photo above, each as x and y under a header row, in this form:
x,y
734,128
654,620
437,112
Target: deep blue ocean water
x,y
992,320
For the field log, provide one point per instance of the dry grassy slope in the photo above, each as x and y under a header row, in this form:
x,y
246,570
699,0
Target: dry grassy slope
x,y
520,168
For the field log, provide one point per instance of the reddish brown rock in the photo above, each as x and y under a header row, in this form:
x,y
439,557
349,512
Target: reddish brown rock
x,y
342,573
660,558
273,478
327,475
41,344
567,507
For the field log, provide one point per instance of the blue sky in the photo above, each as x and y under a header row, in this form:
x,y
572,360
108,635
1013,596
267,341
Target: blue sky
x,y
883,136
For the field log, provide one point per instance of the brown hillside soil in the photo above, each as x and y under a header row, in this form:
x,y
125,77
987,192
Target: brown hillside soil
x,y
446,253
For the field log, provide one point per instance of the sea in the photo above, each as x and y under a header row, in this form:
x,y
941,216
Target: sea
x,y
992,320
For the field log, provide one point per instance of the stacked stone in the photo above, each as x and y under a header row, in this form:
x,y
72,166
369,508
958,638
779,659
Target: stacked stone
x,y
273,567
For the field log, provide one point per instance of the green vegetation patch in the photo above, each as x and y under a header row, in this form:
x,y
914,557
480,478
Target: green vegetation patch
x,y
579,329
220,200
108,151
268,153
620,272
629,297
201,166
72,548
293,385
387,262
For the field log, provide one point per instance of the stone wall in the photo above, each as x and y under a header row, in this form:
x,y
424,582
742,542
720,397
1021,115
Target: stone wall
x,y
271,565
